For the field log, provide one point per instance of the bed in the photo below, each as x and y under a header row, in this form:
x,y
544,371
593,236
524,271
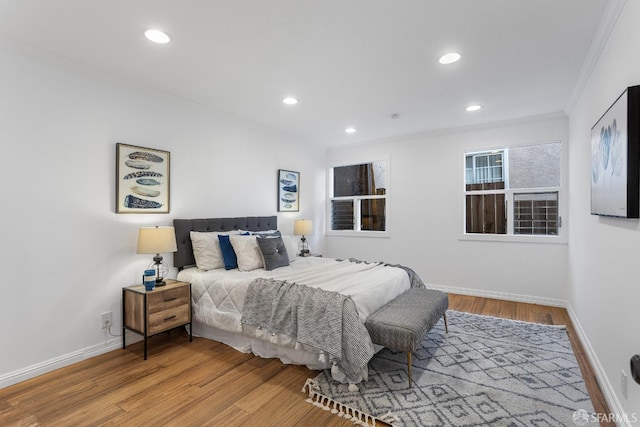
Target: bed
x,y
310,312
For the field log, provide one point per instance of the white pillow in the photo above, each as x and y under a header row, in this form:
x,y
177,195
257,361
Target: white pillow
x,y
206,249
247,252
291,243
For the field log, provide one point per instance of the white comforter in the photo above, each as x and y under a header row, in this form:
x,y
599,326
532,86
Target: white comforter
x,y
218,295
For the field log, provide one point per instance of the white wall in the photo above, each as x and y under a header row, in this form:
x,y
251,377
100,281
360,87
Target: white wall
x,y
426,221
65,254
604,270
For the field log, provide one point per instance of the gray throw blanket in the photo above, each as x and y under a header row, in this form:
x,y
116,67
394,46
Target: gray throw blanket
x,y
311,317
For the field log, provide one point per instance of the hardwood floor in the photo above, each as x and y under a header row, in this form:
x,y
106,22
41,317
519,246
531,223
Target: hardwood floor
x,y
207,383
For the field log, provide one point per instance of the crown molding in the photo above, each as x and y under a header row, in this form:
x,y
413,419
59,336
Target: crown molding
x,y
600,39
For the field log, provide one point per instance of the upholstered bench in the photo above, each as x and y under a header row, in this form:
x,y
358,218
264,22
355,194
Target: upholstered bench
x,y
401,324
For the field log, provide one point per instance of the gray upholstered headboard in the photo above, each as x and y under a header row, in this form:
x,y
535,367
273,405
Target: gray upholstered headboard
x,y
184,256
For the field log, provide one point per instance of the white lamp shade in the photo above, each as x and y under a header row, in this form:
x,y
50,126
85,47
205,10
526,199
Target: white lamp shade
x,y
303,227
156,240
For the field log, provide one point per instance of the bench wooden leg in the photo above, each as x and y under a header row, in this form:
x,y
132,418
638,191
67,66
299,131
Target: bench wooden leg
x,y
409,366
446,324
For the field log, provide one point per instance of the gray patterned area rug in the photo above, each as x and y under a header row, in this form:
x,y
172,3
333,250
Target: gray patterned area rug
x,y
485,372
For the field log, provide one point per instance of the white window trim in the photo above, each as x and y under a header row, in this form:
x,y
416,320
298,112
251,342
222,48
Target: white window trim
x,y
561,238
359,233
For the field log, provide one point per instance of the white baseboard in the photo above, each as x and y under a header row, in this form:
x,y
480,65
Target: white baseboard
x,y
500,295
32,371
606,387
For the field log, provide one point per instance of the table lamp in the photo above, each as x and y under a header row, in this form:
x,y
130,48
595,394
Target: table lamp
x,y
157,240
303,227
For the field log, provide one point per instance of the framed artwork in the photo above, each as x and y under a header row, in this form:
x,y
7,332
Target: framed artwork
x,y
288,191
142,179
615,158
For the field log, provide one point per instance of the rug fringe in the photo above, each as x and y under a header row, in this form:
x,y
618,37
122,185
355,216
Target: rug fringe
x,y
328,404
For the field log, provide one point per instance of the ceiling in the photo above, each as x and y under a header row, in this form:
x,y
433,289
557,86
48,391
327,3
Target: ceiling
x,y
349,62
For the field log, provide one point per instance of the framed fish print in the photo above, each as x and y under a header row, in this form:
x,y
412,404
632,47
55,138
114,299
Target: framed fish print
x,y
288,191
142,179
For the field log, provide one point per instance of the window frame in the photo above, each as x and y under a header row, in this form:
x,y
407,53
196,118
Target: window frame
x,y
510,236
358,232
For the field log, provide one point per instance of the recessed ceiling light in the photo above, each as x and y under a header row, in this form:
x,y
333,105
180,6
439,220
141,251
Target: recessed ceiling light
x,y
290,100
449,58
350,130
473,107
157,36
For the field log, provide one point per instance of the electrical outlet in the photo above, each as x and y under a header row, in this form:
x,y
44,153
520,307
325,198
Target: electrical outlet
x,y
623,383
105,320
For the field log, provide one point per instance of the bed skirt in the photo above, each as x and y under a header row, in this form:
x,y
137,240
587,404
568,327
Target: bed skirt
x,y
264,349
267,350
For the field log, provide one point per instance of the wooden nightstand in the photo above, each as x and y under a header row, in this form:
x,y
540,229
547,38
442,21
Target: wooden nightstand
x,y
152,312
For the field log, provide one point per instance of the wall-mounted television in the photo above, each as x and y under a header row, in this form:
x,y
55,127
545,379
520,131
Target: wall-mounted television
x,y
615,158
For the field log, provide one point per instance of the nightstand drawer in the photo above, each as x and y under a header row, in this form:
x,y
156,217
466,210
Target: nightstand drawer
x,y
166,299
168,319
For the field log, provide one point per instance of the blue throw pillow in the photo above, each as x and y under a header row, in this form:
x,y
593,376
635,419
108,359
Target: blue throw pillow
x,y
228,254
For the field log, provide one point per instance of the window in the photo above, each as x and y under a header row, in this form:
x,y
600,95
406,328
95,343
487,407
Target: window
x,y
358,197
484,168
485,199
513,190
535,213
